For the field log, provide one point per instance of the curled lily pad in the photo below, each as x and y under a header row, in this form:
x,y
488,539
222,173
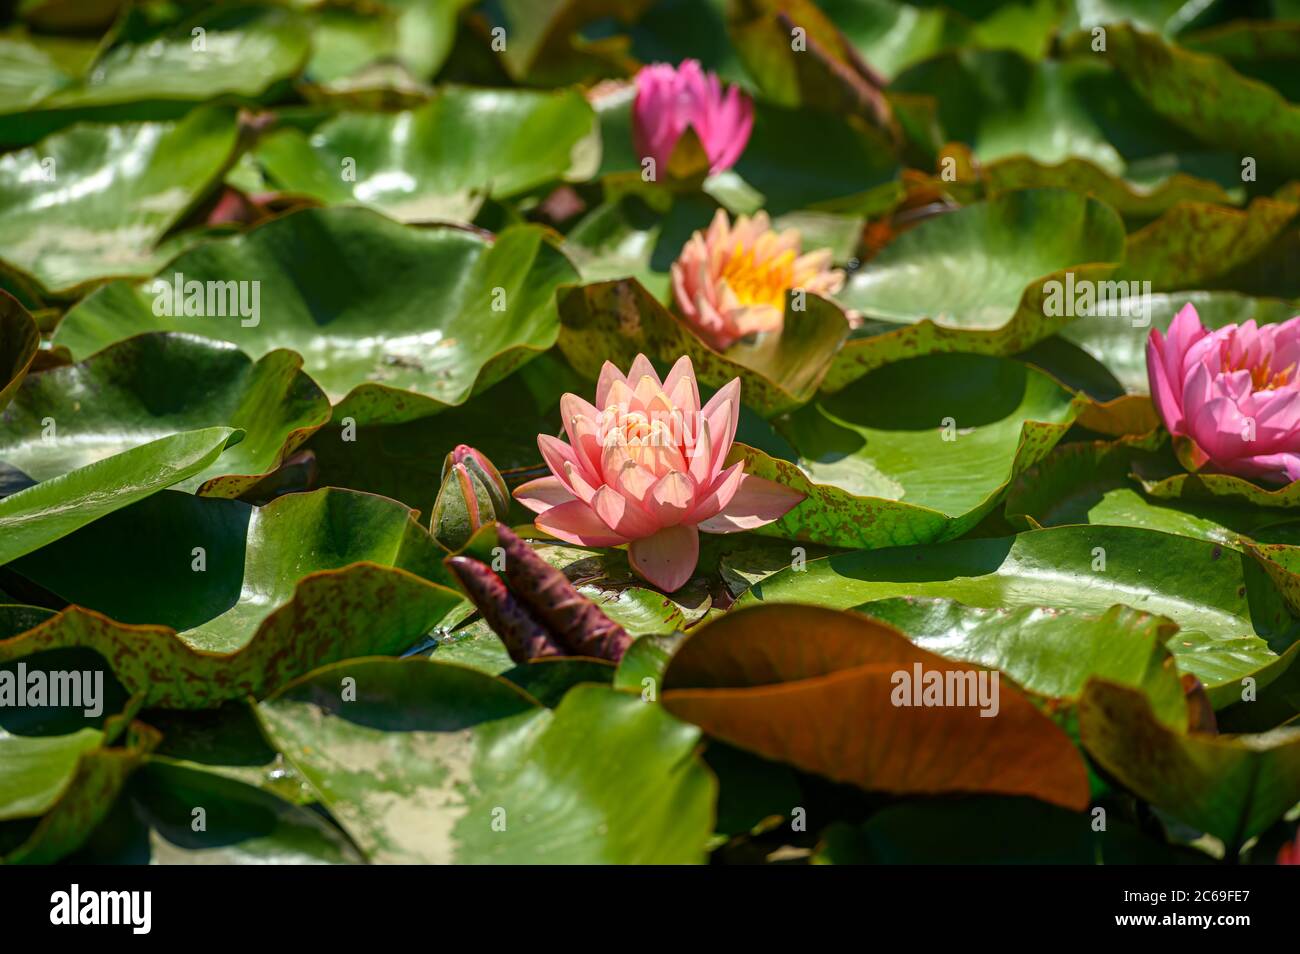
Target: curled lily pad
x,y
433,762
440,161
1205,96
324,571
50,510
1231,787
158,384
617,320
417,319
878,461
241,51
978,279
1196,244
69,783
1231,620
19,341
93,202
1049,652
153,823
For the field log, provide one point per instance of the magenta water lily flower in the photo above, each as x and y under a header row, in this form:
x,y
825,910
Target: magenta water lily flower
x,y
670,100
1232,393
644,466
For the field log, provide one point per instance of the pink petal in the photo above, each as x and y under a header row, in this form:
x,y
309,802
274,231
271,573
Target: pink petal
x,y
608,375
671,498
542,494
668,558
755,503
621,515
711,502
576,523
1162,393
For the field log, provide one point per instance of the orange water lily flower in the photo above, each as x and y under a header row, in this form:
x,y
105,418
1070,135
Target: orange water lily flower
x,y
731,280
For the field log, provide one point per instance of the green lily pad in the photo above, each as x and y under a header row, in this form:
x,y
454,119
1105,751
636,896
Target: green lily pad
x,y
418,319
347,43
914,452
1197,245
19,342
617,320
977,279
439,162
1136,200
1004,106
333,571
239,52
1205,96
436,763
1049,652
1231,787
52,509
155,823
1231,620
93,202
159,384
66,785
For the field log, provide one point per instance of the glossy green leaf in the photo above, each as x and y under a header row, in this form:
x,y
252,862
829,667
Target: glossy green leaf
x,y
1049,652
1231,787
19,341
915,451
304,580
976,279
440,161
438,763
1228,615
159,384
54,508
1203,95
418,319
154,823
93,202
240,51
1117,336
72,793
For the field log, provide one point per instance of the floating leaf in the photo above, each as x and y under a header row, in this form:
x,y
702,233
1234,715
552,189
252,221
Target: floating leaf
x,y
915,451
976,279
418,319
94,201
1231,787
1227,612
54,508
762,678
438,763
439,161
331,571
159,384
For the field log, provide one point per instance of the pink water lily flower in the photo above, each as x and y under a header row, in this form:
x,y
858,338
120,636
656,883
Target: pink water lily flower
x,y
1232,393
731,281
644,466
669,100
